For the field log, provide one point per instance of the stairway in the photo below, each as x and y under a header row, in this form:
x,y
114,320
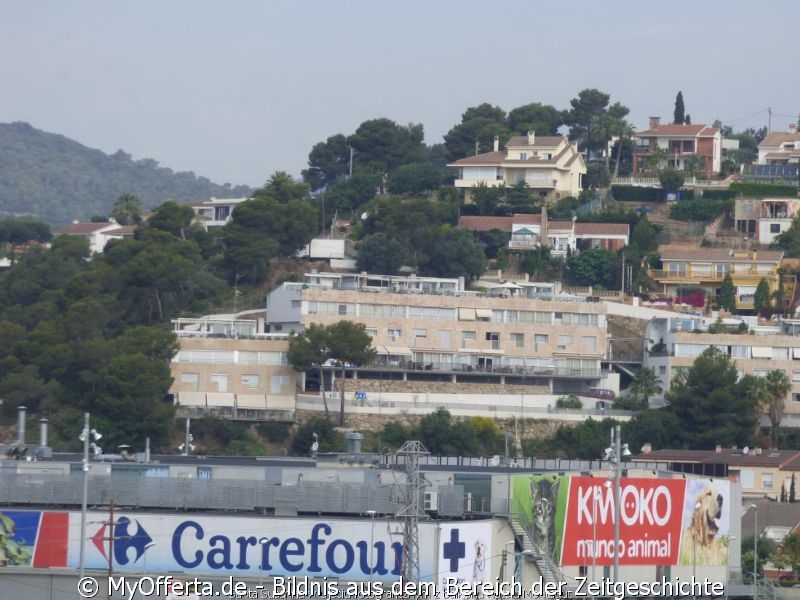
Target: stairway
x,y
533,553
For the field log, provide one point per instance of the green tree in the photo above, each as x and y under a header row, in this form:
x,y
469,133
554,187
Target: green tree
x,y
414,178
282,188
478,126
127,209
789,240
328,162
645,384
761,299
776,388
453,253
380,254
320,430
487,199
584,119
727,297
711,406
442,436
535,262
349,342
381,145
541,119
594,266
347,195
310,349
670,179
173,218
694,165
792,490
597,176
680,111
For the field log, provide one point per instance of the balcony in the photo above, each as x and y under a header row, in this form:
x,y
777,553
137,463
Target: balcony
x,y
696,276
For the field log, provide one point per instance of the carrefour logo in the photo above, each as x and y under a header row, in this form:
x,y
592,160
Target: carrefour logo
x,y
129,540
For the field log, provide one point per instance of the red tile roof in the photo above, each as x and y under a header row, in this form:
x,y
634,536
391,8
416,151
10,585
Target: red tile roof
x,y
481,223
778,138
602,228
672,130
83,228
487,158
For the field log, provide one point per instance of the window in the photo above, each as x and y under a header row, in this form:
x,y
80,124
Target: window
x,y
518,339
192,380
760,372
445,336
780,353
589,342
221,381
766,481
564,341
523,156
251,381
372,332
420,334
394,334
468,336
342,310
774,227
540,338
296,303
277,383
796,376
662,370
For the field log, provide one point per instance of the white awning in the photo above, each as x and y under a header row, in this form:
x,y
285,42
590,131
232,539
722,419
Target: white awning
x,y
761,352
488,351
483,313
396,351
796,352
466,314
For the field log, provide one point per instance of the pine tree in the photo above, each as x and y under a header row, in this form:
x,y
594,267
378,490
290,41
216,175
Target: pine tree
x,y
727,297
687,120
792,490
680,115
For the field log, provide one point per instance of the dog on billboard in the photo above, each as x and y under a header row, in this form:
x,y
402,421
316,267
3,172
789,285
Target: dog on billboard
x,y
701,542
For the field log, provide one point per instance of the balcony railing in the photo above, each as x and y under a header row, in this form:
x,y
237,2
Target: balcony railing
x,y
692,275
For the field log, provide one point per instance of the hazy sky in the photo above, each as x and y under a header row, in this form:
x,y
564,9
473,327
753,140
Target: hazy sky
x,y
236,90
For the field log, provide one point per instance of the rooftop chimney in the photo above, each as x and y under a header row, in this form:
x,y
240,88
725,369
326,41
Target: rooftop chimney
x,y
655,122
496,143
718,449
531,138
21,425
43,432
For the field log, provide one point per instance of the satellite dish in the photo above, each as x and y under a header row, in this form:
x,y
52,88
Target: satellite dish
x,y
746,450
495,461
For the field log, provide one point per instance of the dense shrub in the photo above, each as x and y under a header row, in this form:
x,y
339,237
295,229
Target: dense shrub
x,y
699,210
764,190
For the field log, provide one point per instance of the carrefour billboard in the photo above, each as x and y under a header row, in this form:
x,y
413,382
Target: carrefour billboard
x,y
354,549
662,521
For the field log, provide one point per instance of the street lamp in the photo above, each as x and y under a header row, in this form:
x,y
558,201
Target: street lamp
x,y
371,514
615,453
755,550
86,433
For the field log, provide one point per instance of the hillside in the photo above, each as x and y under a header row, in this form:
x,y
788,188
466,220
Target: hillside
x,y
52,178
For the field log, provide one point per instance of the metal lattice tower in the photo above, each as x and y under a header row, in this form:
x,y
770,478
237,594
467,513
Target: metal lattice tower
x,y
411,512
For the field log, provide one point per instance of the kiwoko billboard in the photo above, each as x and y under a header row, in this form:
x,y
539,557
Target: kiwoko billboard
x,y
662,521
348,549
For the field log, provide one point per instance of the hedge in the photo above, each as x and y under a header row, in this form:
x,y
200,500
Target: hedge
x,y
762,190
632,193
699,210
719,194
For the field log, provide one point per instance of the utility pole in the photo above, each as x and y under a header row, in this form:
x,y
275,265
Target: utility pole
x,y
769,121
412,451
110,538
351,161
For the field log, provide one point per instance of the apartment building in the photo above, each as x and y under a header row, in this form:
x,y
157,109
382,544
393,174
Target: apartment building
x,y
705,268
673,344
432,329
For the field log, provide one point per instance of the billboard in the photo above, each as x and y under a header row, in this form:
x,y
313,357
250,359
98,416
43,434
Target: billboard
x,y
347,549
662,521
464,555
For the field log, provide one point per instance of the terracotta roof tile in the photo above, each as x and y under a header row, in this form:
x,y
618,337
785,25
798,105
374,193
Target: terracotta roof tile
x,y
602,228
482,223
545,141
83,228
487,158
672,130
775,139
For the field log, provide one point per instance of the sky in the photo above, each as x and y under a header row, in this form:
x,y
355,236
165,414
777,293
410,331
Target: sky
x,y
236,90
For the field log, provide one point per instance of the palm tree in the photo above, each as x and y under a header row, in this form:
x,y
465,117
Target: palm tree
x,y
776,386
645,384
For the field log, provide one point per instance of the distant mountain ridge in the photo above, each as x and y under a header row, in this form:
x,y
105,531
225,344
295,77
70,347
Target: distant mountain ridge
x,y
54,179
